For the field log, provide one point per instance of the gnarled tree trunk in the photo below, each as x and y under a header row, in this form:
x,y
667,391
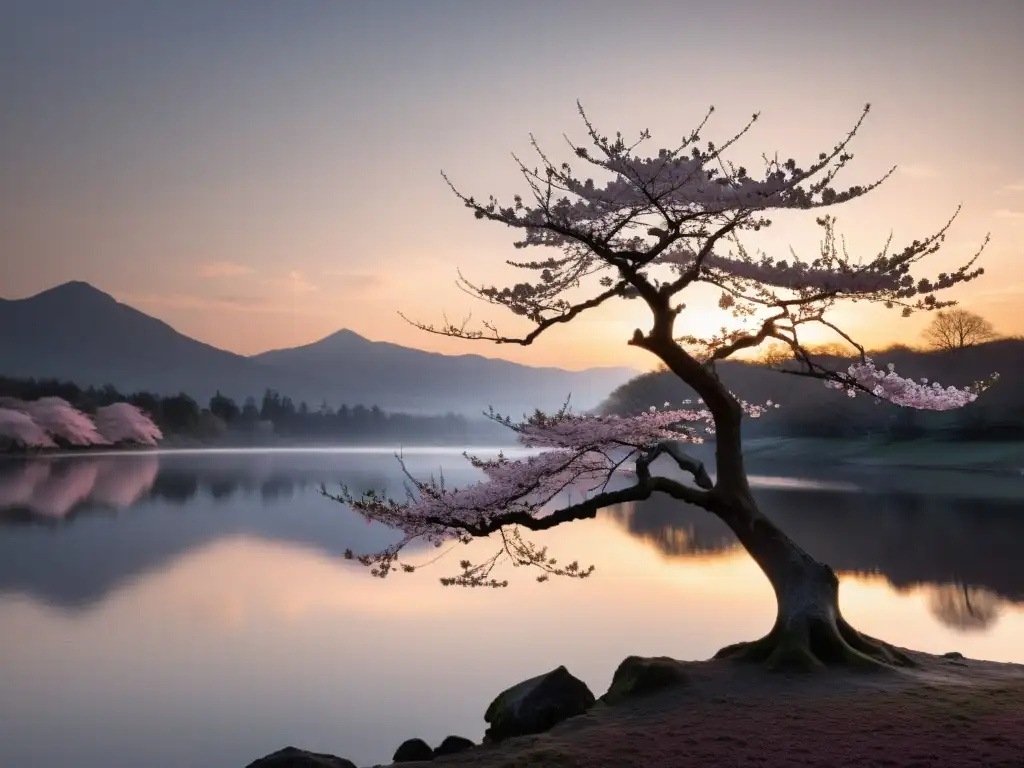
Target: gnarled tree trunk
x,y
809,631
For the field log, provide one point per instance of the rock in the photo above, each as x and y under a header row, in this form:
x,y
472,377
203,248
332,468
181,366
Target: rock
x,y
536,705
413,750
292,757
953,655
637,676
453,744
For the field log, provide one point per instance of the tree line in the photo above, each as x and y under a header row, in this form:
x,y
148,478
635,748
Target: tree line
x,y
181,414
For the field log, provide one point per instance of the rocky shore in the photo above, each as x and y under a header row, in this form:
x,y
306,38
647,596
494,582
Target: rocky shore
x,y
945,712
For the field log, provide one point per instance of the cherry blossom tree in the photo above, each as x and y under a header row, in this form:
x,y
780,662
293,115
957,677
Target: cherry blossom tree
x,y
61,421
125,423
17,429
652,228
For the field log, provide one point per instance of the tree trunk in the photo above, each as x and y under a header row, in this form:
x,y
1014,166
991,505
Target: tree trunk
x,y
810,632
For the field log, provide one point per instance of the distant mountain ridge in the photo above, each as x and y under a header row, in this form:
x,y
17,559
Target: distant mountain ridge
x,y
77,332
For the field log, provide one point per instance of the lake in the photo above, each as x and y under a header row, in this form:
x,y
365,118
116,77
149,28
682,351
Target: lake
x,y
195,610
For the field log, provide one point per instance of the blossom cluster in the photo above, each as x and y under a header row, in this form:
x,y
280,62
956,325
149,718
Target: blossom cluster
x,y
582,451
890,386
52,421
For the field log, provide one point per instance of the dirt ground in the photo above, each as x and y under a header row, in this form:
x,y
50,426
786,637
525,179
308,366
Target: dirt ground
x,y
944,714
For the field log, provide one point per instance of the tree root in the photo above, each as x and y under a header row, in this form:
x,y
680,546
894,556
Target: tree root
x,y
817,644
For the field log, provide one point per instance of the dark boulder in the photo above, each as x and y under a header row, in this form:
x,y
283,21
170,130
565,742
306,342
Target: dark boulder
x,y
637,676
453,744
412,751
536,705
291,757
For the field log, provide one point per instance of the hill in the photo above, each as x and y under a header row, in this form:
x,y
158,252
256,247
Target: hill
x,y
77,332
809,409
428,381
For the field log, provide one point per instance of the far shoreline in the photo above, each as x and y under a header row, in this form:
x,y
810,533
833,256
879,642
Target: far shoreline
x,y
993,458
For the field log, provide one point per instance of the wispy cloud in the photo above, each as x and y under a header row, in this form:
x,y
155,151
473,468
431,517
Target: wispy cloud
x,y
224,269
296,284
1007,213
917,171
1017,186
190,301
348,279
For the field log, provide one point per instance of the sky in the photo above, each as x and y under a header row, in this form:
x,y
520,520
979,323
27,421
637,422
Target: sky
x,y
262,174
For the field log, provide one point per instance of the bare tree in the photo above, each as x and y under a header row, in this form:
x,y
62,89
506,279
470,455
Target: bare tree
x,y
958,328
657,227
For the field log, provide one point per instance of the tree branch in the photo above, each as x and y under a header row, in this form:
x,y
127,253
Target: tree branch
x,y
748,341
645,487
569,314
683,460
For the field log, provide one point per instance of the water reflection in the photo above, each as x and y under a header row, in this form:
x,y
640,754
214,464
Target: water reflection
x,y
194,609
966,552
176,503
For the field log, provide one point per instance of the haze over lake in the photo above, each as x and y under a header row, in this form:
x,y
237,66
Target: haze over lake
x,y
194,609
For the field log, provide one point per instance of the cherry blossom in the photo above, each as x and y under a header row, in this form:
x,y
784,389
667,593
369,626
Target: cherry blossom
x,y
920,395
52,421
63,422
126,423
19,430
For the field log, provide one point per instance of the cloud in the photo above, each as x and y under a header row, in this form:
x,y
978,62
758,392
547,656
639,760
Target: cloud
x,y
295,283
224,269
1006,213
1015,187
189,301
918,171
355,279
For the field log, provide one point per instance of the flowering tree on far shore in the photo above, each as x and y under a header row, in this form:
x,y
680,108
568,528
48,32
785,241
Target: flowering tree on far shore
x,y
124,423
656,226
51,421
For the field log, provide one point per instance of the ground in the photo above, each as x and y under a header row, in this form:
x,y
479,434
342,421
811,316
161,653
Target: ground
x,y
942,714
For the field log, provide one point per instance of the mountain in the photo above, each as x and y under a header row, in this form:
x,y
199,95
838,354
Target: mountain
x,y
386,373
75,331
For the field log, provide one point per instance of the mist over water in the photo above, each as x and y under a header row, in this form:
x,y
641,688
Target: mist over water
x,y
195,609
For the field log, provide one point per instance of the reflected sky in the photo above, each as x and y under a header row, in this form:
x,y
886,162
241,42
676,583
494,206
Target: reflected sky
x,y
196,610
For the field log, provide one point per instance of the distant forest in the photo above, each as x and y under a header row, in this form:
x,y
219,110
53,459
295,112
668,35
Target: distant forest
x,y
222,417
809,409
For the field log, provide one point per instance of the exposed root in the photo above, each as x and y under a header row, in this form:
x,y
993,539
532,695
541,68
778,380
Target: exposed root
x,y
817,644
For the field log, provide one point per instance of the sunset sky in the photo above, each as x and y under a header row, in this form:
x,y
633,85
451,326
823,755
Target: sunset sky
x,y
261,174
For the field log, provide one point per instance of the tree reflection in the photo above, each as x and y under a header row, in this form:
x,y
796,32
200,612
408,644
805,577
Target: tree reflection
x,y
910,540
964,608
49,489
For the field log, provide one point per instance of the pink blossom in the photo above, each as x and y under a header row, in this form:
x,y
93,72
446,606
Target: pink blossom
x,y
908,393
584,451
125,423
19,429
63,422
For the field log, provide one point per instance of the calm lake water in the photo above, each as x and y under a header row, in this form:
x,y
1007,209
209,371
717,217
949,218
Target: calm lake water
x,y
194,610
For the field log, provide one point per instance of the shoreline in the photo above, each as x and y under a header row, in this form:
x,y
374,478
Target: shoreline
x,y
946,712
974,456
